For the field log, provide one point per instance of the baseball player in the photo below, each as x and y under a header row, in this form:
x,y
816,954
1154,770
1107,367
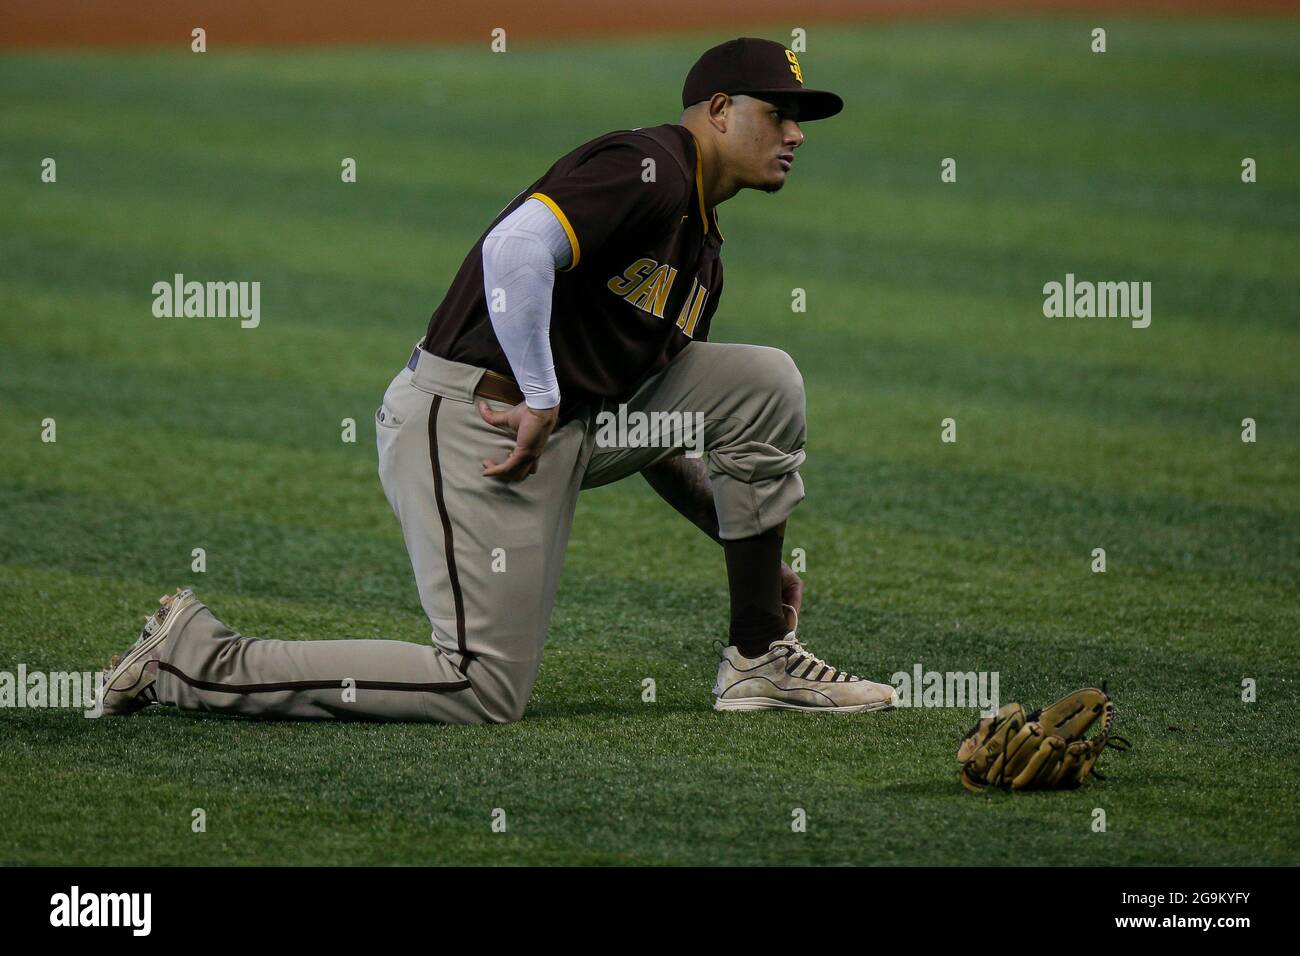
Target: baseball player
x,y
591,292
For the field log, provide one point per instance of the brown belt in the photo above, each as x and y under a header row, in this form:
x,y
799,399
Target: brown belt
x,y
492,386
498,388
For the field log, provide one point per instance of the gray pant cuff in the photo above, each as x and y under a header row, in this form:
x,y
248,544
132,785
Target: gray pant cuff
x,y
746,509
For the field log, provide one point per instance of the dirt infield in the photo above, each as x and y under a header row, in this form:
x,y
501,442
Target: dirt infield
x,y
44,23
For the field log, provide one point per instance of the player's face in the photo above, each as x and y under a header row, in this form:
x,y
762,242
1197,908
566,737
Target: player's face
x,y
766,134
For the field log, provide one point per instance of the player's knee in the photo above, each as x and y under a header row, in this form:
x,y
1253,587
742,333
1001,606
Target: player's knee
x,y
776,371
508,709
777,374
503,688
509,715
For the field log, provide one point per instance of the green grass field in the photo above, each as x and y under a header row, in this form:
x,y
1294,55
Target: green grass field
x,y
924,302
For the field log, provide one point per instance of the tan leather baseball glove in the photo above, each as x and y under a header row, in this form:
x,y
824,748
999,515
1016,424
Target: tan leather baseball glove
x,y
1045,750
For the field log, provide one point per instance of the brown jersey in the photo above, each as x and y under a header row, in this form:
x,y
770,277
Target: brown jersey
x,y
645,275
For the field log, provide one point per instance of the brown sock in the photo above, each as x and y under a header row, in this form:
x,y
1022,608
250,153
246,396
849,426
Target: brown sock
x,y
754,579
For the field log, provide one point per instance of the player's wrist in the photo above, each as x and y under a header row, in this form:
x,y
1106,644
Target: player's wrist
x,y
543,401
547,417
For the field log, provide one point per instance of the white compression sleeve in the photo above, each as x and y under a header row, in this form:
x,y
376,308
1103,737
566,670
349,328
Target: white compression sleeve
x,y
520,257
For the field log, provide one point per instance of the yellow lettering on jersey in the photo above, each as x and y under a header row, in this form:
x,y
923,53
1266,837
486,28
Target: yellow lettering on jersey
x,y
691,308
652,293
631,277
661,297
686,304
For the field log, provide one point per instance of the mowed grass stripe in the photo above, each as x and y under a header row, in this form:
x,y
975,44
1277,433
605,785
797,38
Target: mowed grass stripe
x,y
889,379
53,326
1063,465
848,323
1162,583
1062,450
236,166
953,241
343,800
1150,593
593,673
602,817
873,322
962,486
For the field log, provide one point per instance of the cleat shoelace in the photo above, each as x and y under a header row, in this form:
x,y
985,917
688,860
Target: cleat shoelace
x,y
802,655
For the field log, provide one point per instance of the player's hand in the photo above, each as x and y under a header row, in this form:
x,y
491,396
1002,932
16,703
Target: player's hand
x,y
531,428
791,591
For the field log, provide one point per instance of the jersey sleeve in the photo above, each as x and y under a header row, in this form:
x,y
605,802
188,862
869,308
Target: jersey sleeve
x,y
611,198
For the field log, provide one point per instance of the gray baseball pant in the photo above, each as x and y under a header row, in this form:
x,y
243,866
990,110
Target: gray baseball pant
x,y
487,554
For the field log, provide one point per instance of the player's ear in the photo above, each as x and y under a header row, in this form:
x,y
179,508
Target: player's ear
x,y
720,108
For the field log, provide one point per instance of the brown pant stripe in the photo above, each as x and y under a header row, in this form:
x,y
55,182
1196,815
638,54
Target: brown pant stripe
x,y
448,545
435,688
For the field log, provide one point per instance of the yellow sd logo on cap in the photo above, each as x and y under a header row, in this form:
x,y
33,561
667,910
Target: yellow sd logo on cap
x,y
794,66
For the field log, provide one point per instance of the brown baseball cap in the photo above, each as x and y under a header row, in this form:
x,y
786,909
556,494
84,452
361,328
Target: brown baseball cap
x,y
759,68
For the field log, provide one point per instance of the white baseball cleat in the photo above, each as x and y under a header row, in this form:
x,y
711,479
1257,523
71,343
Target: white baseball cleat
x,y
791,677
128,681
